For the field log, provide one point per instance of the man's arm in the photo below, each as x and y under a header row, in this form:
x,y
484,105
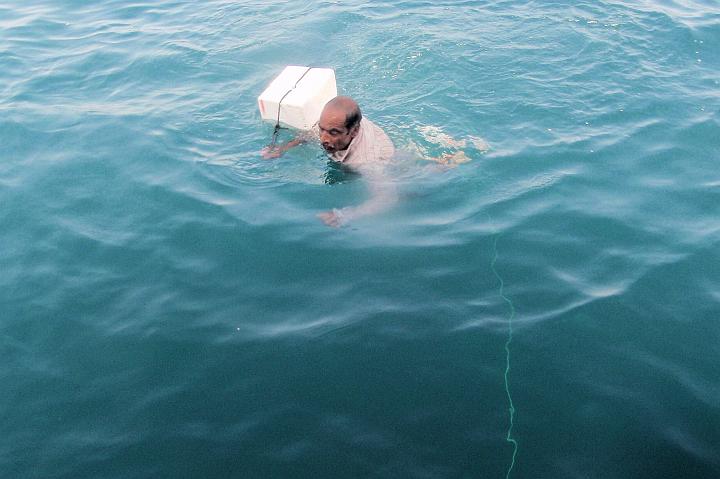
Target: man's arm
x,y
383,194
276,151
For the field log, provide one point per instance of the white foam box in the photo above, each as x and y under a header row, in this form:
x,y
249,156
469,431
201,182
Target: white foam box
x,y
303,93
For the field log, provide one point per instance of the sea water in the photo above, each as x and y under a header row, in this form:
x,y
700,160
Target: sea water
x,y
171,306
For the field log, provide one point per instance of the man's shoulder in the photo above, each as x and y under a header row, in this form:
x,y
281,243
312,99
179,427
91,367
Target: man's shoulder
x,y
382,143
367,124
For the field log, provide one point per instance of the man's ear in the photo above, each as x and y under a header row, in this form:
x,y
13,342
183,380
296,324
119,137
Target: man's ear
x,y
354,130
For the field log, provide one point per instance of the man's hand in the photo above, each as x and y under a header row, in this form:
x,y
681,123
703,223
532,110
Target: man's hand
x,y
332,218
275,151
271,152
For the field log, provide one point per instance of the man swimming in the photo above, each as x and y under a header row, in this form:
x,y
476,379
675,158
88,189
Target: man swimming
x,y
357,143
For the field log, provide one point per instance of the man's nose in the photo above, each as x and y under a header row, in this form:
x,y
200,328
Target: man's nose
x,y
324,137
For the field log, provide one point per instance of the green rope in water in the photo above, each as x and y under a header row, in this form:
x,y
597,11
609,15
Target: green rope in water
x,y
509,438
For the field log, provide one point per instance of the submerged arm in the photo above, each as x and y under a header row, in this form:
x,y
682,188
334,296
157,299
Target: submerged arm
x,y
276,151
383,195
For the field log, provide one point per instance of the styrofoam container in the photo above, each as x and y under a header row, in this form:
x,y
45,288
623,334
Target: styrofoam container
x,y
303,92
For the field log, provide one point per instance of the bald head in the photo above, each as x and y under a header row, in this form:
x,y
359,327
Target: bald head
x,y
339,123
348,107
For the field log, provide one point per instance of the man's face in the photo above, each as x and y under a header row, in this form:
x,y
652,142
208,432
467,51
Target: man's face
x,y
333,134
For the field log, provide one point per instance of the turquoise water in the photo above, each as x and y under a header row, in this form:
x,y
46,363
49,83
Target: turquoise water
x,y
172,307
